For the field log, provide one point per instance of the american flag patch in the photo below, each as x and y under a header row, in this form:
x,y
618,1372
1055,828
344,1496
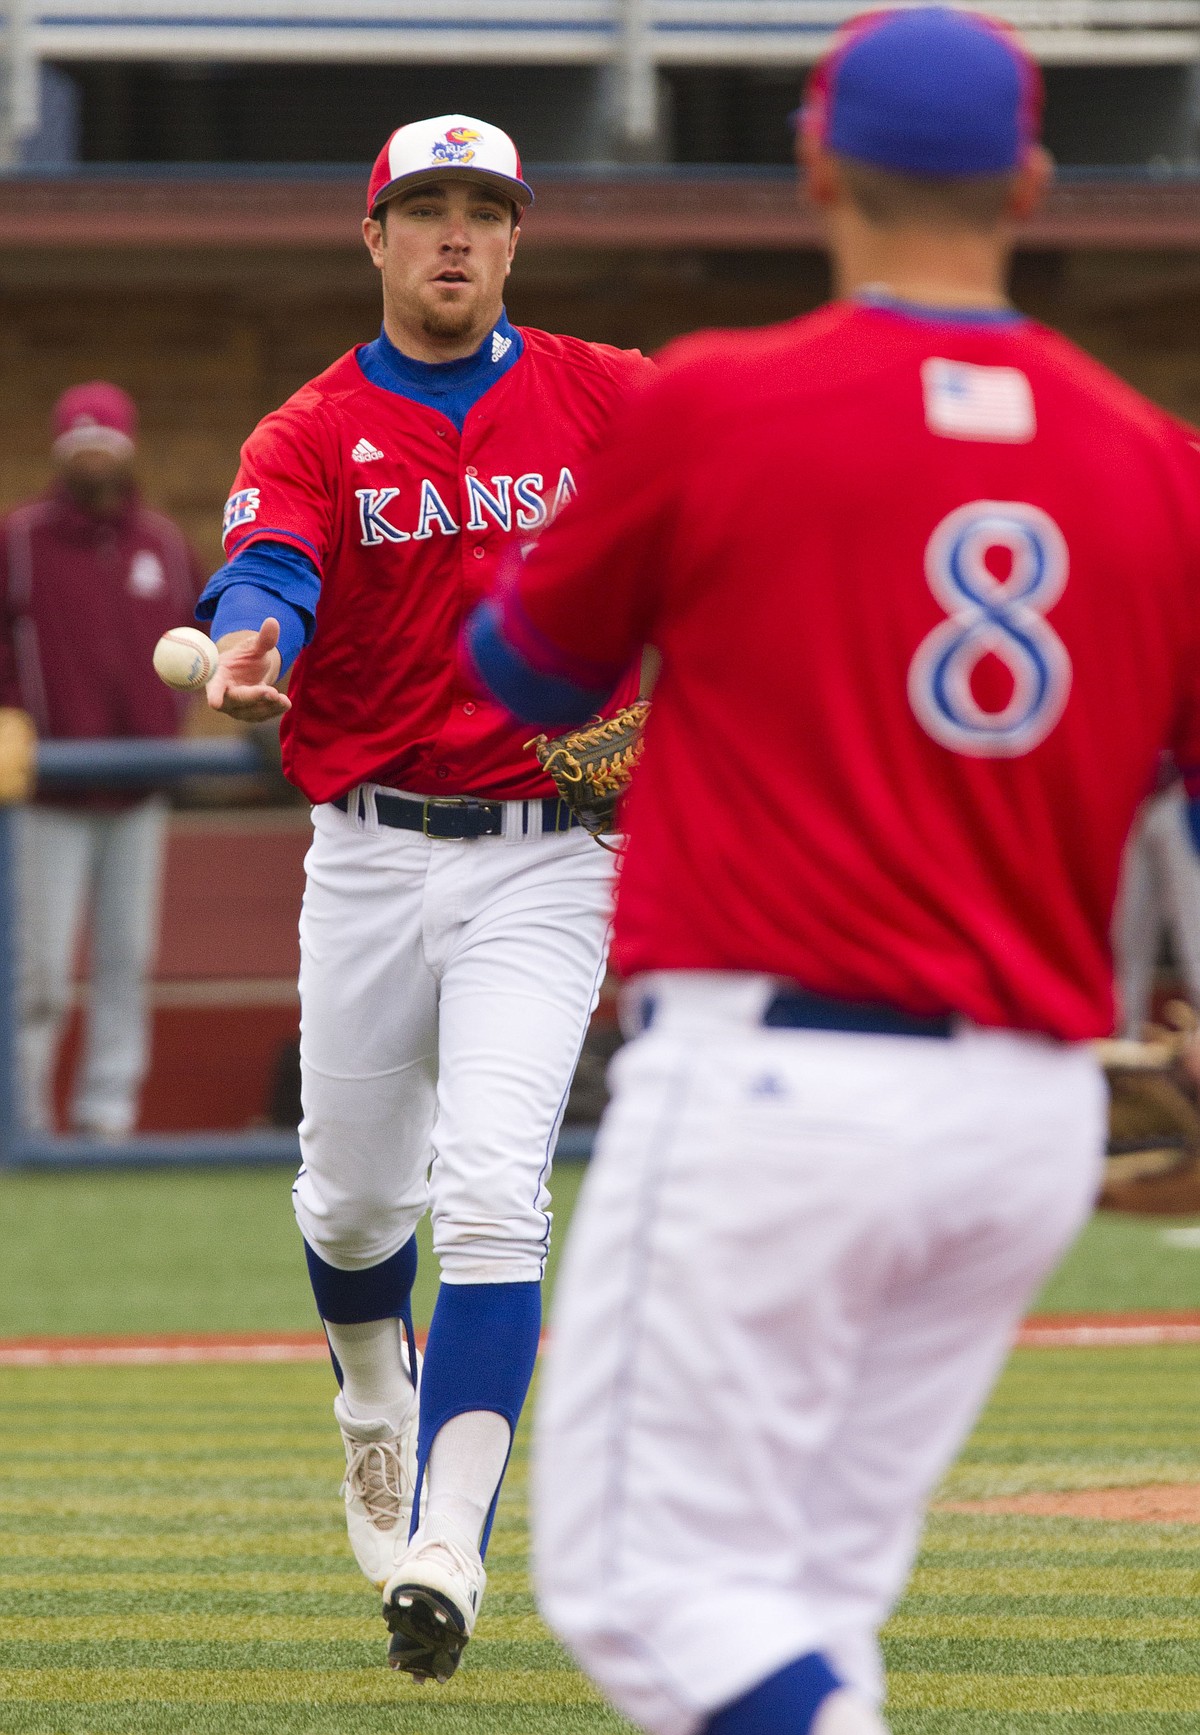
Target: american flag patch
x,y
965,402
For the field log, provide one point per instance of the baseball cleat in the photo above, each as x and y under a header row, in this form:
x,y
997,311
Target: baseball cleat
x,y
431,1601
381,1474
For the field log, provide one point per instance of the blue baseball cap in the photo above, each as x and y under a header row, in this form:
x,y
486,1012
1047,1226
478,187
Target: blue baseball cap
x,y
928,91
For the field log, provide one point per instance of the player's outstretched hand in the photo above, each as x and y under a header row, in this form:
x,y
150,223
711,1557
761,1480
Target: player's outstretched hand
x,y
247,669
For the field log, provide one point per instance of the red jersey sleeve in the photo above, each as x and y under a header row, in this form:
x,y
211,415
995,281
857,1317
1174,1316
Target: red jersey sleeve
x,y
584,601
287,488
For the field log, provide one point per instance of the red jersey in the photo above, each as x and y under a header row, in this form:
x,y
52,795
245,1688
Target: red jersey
x,y
405,518
927,593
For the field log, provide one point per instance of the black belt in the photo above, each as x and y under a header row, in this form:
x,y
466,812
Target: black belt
x,y
458,816
796,1009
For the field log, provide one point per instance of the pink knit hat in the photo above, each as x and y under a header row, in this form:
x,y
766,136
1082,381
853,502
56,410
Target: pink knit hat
x,y
97,415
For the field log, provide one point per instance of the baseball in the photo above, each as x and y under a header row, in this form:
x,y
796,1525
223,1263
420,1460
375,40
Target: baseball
x,y
185,658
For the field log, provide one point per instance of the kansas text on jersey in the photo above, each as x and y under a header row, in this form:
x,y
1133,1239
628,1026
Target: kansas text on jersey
x,y
403,515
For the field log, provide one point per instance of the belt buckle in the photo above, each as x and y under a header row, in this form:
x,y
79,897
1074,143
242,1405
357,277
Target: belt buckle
x,y
461,803
436,801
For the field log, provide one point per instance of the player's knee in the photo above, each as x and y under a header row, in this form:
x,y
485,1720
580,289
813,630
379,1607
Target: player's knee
x,y
352,1232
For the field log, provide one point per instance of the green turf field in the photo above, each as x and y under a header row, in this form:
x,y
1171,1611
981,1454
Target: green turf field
x,y
202,1250
173,1562
218,1250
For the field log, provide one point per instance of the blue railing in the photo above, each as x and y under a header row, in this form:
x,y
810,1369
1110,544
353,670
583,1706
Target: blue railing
x,y
125,765
130,765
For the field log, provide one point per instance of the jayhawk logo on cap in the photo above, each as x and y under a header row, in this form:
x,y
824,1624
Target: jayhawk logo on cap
x,y
456,147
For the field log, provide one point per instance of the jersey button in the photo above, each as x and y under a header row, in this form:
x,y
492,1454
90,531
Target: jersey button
x,y
443,771
471,470
479,553
468,709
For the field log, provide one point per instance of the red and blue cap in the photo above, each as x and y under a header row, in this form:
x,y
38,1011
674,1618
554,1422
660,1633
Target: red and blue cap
x,y
927,91
450,147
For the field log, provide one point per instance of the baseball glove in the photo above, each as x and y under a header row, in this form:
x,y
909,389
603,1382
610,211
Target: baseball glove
x,y
18,755
592,767
1153,1162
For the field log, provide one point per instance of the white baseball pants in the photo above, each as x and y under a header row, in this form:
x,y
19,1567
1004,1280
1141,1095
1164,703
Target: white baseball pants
x,y
67,860
1160,888
446,989
795,1270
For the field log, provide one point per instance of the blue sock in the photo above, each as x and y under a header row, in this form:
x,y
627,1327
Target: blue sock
x,y
786,1703
483,1342
382,1291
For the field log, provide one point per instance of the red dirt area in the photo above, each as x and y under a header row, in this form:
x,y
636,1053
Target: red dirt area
x,y
1108,1330
1164,1503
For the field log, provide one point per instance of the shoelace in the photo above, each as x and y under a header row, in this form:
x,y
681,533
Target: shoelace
x,y
375,1475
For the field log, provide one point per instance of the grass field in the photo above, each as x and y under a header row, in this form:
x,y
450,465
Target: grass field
x,y
173,1562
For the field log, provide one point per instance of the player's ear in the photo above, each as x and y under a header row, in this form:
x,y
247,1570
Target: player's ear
x,y
512,246
1031,182
375,236
819,175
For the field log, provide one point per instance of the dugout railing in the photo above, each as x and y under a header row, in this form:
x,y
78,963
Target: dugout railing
x,y
131,765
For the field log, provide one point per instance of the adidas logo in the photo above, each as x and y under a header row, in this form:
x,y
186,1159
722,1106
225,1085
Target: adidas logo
x,y
500,346
365,453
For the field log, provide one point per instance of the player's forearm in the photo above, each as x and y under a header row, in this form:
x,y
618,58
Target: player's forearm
x,y
242,609
268,579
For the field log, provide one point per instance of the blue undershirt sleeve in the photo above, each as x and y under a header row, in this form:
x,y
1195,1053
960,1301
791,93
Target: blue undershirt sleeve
x,y
270,578
549,701
244,608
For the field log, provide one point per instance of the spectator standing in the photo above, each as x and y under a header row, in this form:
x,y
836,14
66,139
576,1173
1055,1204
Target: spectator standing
x,y
1160,889
89,579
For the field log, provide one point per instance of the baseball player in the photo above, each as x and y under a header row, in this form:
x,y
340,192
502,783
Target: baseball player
x,y
454,924
926,584
1160,888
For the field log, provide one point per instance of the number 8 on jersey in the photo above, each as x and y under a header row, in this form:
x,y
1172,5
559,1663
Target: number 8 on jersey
x,y
992,615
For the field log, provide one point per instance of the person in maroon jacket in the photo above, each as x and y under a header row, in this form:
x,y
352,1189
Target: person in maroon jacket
x,y
89,580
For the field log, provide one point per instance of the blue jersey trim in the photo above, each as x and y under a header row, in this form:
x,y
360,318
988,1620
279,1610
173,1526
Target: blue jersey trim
x,y
534,697
271,533
453,387
928,314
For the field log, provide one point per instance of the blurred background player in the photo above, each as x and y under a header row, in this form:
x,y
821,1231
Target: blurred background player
x,y
906,714
1159,897
455,922
89,579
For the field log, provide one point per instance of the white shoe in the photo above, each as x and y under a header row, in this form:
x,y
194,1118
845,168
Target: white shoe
x,y
431,1601
381,1474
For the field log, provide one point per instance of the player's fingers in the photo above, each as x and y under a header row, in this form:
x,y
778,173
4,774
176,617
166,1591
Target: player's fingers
x,y
262,711
216,689
262,700
268,636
